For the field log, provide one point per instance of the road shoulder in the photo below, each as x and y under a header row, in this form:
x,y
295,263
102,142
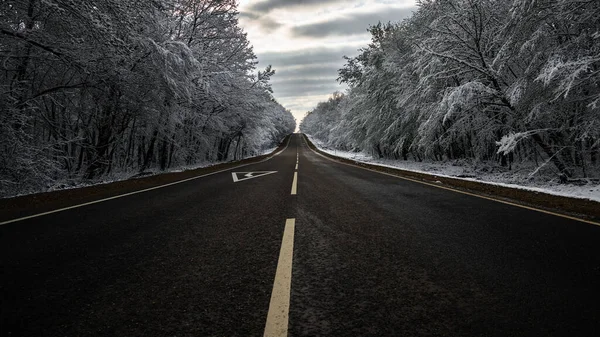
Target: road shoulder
x,y
577,209
27,205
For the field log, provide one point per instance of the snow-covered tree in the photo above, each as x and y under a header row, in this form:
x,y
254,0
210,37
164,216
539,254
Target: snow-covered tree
x,y
94,87
479,79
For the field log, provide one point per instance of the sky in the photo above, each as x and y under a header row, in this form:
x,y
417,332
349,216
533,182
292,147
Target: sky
x,y
305,41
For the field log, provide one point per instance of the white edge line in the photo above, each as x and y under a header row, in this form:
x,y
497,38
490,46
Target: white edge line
x,y
459,191
142,191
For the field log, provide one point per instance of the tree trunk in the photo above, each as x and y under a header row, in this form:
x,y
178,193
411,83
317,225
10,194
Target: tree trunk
x,y
171,151
150,151
594,151
99,152
164,155
552,155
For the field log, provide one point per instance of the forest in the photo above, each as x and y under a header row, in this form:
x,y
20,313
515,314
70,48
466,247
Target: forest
x,y
96,88
503,82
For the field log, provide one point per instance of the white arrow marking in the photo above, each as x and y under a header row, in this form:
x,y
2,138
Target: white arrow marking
x,y
249,175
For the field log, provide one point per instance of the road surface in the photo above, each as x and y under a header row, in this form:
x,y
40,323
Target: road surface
x,y
364,254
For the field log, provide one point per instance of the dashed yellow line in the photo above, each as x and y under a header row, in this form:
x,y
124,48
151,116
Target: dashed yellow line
x,y
279,307
295,184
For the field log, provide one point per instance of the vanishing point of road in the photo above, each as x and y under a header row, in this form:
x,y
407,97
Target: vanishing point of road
x,y
299,245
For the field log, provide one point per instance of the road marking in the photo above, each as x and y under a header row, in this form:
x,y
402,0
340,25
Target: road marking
x,y
462,192
295,184
249,175
142,191
279,307
296,166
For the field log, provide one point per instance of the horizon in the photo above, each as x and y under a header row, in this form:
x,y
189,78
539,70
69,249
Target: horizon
x,y
305,41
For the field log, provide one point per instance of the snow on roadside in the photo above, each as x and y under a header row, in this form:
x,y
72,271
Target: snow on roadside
x,y
127,175
519,177
268,151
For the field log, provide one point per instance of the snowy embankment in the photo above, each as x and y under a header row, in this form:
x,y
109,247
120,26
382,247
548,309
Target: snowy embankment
x,y
520,177
67,184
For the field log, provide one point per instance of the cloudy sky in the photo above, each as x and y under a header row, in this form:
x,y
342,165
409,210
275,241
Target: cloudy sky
x,y
305,40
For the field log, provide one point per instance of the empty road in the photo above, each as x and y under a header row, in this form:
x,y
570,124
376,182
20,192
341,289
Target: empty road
x,y
344,252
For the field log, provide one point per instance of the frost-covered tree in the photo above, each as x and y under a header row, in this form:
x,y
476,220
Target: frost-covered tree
x,y
95,87
480,79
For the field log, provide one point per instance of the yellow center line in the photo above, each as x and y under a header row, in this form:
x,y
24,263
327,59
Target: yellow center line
x,y
279,307
295,184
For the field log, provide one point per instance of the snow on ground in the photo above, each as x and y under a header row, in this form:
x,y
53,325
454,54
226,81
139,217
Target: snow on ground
x,y
120,176
524,176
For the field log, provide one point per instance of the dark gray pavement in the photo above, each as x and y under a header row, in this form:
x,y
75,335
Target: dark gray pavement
x,y
374,255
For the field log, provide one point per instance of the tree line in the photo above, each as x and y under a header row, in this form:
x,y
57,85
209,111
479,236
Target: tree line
x,y
485,80
90,88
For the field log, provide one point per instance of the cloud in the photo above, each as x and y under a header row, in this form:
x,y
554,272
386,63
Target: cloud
x,y
306,76
307,89
329,70
307,56
305,41
302,104
351,24
269,24
249,15
265,23
302,76
301,81
269,5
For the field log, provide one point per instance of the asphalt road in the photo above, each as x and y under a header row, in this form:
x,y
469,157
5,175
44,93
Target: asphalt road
x,y
373,255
